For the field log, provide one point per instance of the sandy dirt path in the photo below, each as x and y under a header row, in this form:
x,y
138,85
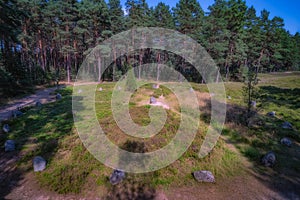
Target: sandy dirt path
x,y
42,95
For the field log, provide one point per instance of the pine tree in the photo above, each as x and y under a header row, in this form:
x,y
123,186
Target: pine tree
x,y
116,16
216,34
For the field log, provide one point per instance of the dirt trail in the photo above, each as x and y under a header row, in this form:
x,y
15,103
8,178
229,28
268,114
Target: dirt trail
x,y
43,95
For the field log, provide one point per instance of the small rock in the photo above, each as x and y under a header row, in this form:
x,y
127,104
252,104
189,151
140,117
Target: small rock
x,y
286,141
155,86
153,100
191,90
38,104
229,97
100,89
58,96
17,113
9,145
272,114
204,176
39,164
253,104
6,128
287,125
116,177
269,159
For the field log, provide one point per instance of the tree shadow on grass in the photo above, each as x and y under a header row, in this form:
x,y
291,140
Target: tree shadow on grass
x,y
37,133
260,136
289,98
134,186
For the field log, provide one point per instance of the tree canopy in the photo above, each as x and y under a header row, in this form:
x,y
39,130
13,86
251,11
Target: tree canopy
x,y
46,40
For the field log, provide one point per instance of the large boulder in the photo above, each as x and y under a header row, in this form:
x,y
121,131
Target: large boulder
x,y
287,125
153,100
6,128
39,164
272,114
286,141
269,159
116,177
10,145
58,96
204,176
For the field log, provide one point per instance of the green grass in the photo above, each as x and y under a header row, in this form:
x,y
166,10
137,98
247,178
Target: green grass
x,y
50,132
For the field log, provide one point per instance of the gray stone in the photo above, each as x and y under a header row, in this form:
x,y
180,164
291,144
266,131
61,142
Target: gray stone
x,y
153,100
269,159
204,176
6,128
39,164
287,125
116,177
286,141
155,86
38,104
272,114
253,104
58,96
17,113
229,97
9,145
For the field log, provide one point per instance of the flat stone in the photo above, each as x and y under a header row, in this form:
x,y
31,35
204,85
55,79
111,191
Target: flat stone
x,y
153,100
9,145
116,177
6,128
287,125
286,141
204,176
39,164
269,159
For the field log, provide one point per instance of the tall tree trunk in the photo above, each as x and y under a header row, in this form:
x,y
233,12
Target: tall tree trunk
x,y
158,66
99,69
42,58
68,67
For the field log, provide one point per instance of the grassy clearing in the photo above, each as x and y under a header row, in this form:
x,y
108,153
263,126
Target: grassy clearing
x,y
280,93
50,132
